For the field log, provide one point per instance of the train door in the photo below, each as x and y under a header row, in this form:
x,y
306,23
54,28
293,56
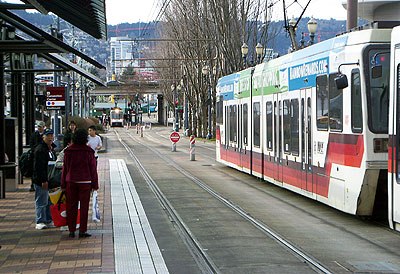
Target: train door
x,y
306,140
394,133
257,151
278,138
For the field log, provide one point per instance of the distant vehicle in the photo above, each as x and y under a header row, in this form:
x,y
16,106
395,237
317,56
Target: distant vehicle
x,y
45,79
116,117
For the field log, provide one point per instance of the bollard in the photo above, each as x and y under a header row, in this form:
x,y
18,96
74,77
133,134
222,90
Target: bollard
x,y
150,126
141,131
173,147
192,149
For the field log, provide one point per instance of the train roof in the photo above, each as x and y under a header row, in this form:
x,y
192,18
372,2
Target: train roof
x,y
292,71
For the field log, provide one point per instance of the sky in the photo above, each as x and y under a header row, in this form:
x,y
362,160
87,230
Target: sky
x,y
131,11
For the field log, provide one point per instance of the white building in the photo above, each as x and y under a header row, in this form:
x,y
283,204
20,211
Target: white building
x,y
122,54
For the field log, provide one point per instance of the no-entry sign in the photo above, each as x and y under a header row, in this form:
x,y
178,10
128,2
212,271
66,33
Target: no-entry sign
x,y
174,136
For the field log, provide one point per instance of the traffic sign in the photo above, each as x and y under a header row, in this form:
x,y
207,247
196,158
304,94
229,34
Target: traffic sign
x,y
174,136
55,98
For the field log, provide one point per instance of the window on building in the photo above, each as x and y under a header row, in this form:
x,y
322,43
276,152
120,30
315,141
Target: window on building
x,y
322,102
256,128
286,126
269,125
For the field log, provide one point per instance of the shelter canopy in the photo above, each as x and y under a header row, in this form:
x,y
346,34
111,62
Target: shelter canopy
x,y
88,15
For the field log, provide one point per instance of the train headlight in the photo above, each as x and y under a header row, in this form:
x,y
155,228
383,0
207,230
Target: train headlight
x,y
381,145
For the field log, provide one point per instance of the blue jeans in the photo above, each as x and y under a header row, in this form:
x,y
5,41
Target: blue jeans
x,y
42,205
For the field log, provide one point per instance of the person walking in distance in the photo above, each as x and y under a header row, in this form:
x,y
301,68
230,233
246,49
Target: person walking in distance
x,y
35,140
43,154
94,141
79,177
71,127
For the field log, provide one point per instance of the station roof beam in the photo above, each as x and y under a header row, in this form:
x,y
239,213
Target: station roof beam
x,y
88,15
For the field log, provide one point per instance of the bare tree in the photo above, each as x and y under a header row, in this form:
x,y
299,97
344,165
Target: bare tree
x,y
207,32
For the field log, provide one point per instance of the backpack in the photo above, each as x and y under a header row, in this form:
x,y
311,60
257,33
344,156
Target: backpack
x,y
26,163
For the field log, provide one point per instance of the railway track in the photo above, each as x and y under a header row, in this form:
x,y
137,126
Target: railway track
x,y
206,263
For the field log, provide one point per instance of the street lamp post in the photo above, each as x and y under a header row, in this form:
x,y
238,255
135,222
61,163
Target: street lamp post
x,y
292,33
245,51
312,28
206,71
259,52
185,122
173,88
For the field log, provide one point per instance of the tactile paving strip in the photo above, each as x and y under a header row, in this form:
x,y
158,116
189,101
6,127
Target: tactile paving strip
x,y
135,247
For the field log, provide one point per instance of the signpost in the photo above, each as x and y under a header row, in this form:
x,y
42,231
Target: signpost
x,y
55,99
174,137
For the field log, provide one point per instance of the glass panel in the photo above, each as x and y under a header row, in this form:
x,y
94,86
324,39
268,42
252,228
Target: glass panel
x,y
256,115
322,102
234,125
245,123
356,104
303,132
397,134
294,126
269,125
286,125
335,105
378,92
309,147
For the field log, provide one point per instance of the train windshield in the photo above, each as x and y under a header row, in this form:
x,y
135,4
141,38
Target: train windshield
x,y
378,90
116,115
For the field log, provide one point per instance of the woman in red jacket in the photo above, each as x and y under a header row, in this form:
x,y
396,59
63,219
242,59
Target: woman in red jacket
x,y
79,177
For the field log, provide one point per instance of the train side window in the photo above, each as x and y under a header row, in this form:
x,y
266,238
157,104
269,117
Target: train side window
x,y
356,104
220,110
269,125
397,133
256,127
226,125
294,126
322,102
234,124
286,126
303,132
245,123
231,124
335,105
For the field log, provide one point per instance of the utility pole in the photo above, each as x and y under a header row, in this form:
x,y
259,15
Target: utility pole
x,y
352,14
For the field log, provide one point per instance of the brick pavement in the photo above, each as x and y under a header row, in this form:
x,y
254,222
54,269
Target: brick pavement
x,y
27,250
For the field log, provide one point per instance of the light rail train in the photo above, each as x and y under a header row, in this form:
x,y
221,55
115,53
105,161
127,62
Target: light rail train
x,y
116,117
316,121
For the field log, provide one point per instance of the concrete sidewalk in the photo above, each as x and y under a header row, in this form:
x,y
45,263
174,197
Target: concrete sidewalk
x,y
26,250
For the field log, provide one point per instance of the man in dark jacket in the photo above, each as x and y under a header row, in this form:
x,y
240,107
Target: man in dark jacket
x,y
35,140
43,154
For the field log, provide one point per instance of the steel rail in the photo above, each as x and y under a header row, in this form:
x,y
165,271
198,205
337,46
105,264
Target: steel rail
x,y
262,227
202,259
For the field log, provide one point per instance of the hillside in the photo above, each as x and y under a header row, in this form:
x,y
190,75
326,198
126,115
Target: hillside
x,y
99,50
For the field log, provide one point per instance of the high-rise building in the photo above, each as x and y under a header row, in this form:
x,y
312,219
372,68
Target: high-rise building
x,y
122,54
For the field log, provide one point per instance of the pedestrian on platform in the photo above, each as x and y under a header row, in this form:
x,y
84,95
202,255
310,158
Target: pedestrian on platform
x,y
71,127
43,154
94,141
79,177
35,140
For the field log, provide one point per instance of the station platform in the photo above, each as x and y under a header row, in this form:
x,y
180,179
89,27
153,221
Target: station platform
x,y
122,242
